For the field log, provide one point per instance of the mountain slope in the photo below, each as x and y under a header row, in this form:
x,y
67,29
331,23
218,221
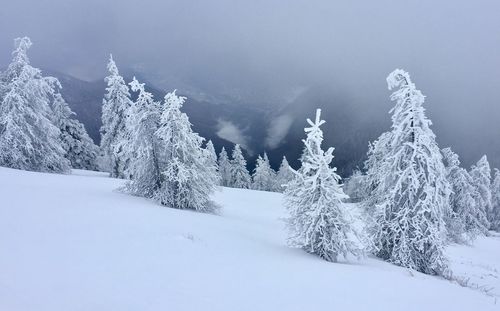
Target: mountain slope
x,y
85,99
249,125
277,129
72,242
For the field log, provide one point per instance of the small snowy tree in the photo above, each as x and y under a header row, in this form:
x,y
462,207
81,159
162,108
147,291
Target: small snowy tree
x,y
28,138
187,182
264,177
240,178
319,221
284,175
467,220
142,123
79,148
211,162
114,136
224,168
410,194
356,186
495,194
481,176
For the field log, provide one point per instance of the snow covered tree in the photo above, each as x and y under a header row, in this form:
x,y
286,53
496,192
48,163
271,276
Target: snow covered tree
x,y
224,168
319,220
187,182
410,194
481,175
377,150
142,123
356,186
240,178
79,148
264,177
2,85
284,175
495,194
28,138
211,162
114,136
466,220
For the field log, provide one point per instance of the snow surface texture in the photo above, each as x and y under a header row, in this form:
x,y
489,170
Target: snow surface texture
x,y
72,242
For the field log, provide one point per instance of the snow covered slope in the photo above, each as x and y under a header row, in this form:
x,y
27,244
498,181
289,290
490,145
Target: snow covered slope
x,y
74,243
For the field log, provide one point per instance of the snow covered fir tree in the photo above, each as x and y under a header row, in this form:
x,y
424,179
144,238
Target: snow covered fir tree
x,y
167,160
114,135
467,219
211,160
495,202
240,178
356,187
79,148
28,138
37,132
142,124
283,176
264,177
481,176
224,165
319,220
186,180
410,196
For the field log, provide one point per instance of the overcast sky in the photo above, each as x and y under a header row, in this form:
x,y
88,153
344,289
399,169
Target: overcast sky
x,y
274,48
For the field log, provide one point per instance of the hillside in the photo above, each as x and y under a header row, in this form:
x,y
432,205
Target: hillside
x,y
267,126
73,242
256,126
223,123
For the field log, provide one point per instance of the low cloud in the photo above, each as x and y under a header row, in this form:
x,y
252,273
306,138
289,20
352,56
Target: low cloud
x,y
277,130
228,131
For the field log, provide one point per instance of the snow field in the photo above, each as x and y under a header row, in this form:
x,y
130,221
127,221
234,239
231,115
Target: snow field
x,y
72,242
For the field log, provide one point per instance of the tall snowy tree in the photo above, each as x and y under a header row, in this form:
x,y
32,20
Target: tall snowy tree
x,y
28,138
187,181
284,175
240,178
495,194
114,136
142,123
79,148
264,177
319,220
481,175
467,220
410,195
224,168
211,162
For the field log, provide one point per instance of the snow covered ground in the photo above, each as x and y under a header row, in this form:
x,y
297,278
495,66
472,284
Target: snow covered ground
x,y
72,242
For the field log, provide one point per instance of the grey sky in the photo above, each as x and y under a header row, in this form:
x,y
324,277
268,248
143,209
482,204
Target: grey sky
x,y
270,49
